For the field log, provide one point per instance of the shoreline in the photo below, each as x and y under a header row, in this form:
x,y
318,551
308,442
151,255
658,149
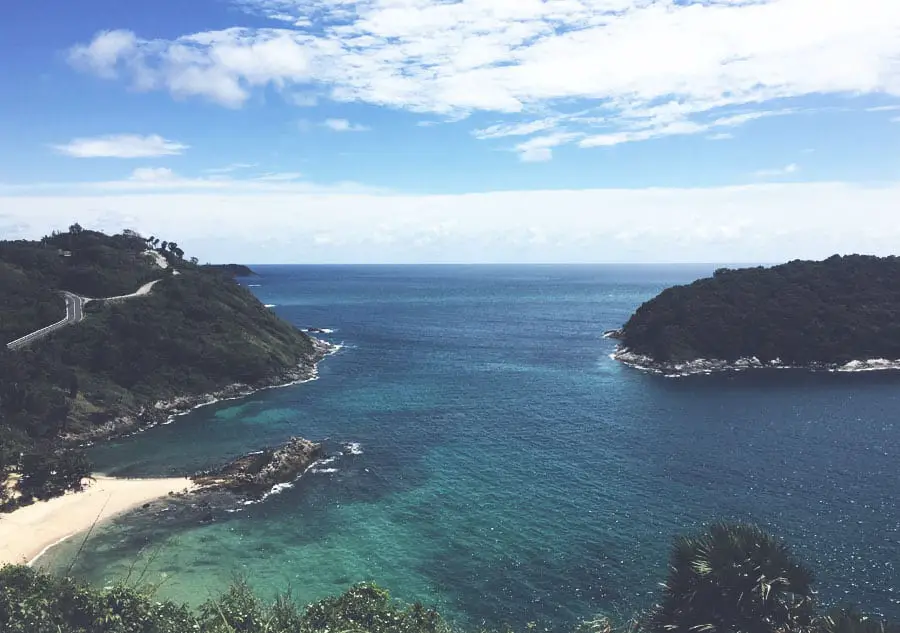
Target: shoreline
x,y
164,412
708,366
28,533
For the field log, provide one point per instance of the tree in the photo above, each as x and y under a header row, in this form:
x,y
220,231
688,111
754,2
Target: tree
x,y
164,245
76,229
734,578
195,261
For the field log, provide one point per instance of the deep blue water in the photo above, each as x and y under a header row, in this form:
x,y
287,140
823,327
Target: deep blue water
x,y
511,471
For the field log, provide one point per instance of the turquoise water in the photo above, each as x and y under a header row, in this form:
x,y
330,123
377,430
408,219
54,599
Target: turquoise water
x,y
510,471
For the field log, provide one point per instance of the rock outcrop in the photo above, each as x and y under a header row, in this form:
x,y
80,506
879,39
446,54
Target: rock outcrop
x,y
256,473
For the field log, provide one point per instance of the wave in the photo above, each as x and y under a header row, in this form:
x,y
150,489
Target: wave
x,y
254,285
872,364
271,305
353,448
277,489
314,468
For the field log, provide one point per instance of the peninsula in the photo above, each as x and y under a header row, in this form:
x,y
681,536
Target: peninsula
x,y
107,334
840,313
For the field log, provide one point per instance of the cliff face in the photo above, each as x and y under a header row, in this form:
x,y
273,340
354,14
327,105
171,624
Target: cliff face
x,y
800,313
132,362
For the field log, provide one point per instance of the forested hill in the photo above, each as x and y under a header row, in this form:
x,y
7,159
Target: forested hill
x,y
196,332
803,312
235,270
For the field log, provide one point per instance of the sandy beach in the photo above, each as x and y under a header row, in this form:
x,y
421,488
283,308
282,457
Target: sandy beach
x,y
28,532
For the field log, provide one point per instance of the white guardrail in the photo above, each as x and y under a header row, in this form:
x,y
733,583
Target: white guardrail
x,y
19,342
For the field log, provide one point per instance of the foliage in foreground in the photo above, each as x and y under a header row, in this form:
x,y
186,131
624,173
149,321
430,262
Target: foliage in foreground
x,y
36,602
730,579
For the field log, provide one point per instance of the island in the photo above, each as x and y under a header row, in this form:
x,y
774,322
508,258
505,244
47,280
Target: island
x,y
105,335
837,314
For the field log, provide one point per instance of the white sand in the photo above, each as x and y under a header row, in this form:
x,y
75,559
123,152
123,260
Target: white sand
x,y
28,532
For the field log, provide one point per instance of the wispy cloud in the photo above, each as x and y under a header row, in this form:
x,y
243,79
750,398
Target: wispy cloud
x,y
714,63
121,146
720,136
540,148
153,174
793,168
343,125
230,168
161,180
516,129
280,176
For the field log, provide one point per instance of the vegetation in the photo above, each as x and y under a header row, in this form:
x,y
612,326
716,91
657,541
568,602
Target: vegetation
x,y
235,270
734,578
730,579
802,312
197,332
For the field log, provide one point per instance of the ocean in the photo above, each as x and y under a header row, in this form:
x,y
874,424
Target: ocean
x,y
491,459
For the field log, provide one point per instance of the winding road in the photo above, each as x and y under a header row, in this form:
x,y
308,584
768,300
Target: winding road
x,y
75,313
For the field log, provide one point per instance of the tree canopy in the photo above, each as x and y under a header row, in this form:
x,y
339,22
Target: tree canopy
x,y
196,332
803,312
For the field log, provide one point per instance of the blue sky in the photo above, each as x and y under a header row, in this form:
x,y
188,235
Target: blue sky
x,y
474,130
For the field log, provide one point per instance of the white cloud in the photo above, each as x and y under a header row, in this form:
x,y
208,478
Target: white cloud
x,y
121,146
102,55
280,222
533,59
886,108
540,148
721,136
343,125
793,168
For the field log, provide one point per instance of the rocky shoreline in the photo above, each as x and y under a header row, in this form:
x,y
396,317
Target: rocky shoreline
x,y
706,366
254,474
163,411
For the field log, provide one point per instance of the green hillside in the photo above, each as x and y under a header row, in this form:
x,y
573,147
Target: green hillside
x,y
197,332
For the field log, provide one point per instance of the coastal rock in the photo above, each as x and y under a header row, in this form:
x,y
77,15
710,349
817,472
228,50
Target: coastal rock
x,y
256,473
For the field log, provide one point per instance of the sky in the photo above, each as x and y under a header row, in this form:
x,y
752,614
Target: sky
x,y
419,131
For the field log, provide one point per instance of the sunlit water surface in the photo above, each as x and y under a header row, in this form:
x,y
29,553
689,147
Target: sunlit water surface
x,y
510,471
